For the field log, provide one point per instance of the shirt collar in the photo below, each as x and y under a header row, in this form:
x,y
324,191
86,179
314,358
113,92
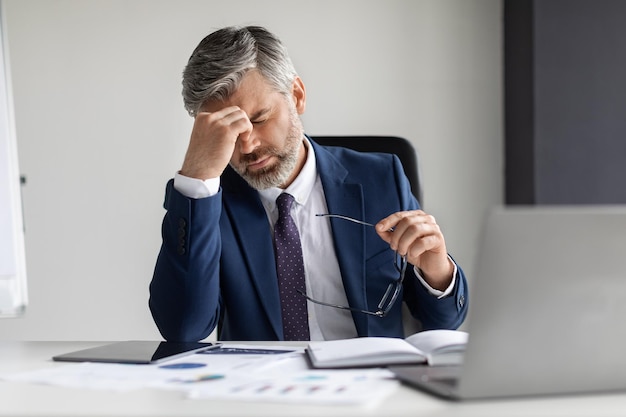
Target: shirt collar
x,y
300,188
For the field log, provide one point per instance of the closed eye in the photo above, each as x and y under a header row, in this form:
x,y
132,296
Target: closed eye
x,y
260,116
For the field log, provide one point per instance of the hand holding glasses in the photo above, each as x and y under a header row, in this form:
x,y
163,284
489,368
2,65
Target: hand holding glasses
x,y
393,289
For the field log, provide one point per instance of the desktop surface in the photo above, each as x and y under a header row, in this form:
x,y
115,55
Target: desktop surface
x,y
27,399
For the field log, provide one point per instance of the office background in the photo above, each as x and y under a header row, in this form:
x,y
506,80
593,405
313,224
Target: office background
x,y
101,127
565,101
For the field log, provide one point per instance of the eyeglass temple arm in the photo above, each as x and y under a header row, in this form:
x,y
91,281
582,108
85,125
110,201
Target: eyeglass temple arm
x,y
350,219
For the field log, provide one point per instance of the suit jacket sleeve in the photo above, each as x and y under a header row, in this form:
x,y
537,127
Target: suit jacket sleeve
x,y
184,292
433,313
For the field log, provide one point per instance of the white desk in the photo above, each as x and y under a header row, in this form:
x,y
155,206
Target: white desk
x,y
21,399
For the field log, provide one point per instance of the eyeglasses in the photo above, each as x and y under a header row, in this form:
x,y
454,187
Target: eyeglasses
x,y
393,289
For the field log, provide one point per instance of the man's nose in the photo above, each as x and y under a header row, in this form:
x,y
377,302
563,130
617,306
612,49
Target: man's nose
x,y
248,144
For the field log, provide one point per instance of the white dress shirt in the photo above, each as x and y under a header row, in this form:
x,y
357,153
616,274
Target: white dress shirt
x,y
321,268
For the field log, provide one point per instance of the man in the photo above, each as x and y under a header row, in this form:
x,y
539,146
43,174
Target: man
x,y
221,261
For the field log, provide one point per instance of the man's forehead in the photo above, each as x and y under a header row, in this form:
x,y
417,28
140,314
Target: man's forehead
x,y
253,95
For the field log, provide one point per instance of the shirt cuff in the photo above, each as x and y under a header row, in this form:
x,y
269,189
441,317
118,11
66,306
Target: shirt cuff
x,y
195,188
438,293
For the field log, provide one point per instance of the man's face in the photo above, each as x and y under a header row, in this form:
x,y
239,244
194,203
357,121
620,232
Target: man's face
x,y
274,153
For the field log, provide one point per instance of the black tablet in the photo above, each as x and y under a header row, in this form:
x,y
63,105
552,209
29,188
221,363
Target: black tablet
x,y
135,351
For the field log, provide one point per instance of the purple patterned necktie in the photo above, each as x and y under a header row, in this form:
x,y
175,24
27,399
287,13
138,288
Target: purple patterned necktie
x,y
290,269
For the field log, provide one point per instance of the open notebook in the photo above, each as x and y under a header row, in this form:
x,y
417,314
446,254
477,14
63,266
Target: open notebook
x,y
547,307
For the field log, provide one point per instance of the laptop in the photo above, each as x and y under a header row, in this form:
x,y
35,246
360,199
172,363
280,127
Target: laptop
x,y
547,308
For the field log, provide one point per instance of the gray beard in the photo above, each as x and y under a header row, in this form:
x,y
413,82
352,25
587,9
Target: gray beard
x,y
274,176
279,173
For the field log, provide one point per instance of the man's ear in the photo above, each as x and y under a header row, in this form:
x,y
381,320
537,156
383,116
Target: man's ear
x,y
298,91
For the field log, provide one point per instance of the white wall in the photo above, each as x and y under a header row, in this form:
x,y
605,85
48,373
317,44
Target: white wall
x,y
101,127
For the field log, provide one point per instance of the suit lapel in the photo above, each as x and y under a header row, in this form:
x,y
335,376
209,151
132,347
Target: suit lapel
x,y
254,234
345,197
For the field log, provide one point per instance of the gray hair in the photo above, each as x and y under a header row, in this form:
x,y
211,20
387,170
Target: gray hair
x,y
221,59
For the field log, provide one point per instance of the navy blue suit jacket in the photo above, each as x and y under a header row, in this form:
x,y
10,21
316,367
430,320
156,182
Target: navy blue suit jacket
x,y
216,264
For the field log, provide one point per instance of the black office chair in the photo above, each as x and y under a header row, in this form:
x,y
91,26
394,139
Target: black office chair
x,y
387,144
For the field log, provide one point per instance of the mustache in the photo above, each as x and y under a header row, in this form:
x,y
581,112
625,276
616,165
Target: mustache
x,y
258,154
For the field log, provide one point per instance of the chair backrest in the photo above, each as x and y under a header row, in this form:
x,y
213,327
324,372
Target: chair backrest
x,y
386,144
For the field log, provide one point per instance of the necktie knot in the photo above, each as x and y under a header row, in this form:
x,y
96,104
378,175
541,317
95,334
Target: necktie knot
x,y
284,202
